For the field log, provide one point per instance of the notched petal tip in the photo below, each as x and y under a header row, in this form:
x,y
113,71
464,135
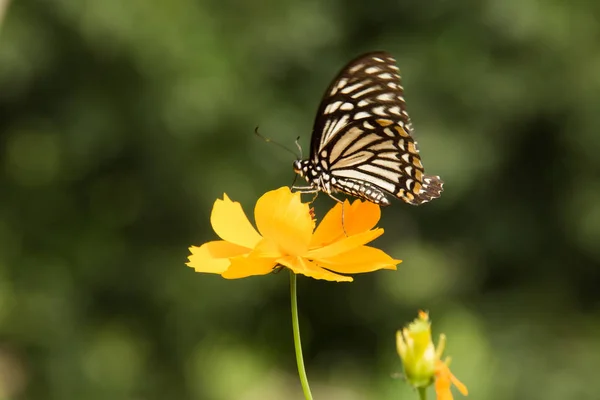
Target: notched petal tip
x,y
231,224
213,257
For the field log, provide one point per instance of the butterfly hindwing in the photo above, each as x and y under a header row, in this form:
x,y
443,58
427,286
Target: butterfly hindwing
x,y
376,151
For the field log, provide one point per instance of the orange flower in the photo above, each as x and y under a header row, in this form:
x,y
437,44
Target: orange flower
x,y
444,379
285,237
422,360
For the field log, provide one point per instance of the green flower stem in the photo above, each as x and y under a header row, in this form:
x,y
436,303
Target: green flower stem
x,y
297,344
422,393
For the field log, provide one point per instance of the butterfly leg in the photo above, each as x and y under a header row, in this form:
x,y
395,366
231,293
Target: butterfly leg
x,y
277,268
343,227
315,197
342,202
307,189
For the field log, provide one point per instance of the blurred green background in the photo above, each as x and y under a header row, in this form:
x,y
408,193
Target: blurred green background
x,y
122,121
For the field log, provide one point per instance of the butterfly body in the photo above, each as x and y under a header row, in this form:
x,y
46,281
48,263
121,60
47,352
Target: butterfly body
x,y
362,142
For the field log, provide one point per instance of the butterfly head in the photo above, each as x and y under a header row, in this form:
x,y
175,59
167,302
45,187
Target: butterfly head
x,y
301,167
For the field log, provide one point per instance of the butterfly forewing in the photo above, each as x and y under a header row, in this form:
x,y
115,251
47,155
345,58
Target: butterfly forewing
x,y
362,141
368,86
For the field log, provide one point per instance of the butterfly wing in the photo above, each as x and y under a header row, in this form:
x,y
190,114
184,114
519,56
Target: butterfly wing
x,y
363,134
368,80
381,153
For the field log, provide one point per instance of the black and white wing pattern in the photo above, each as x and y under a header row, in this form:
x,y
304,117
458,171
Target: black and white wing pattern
x,y
362,141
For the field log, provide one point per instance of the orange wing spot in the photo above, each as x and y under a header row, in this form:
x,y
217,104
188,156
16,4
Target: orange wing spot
x,y
417,187
400,193
419,178
384,122
402,132
411,148
410,196
417,162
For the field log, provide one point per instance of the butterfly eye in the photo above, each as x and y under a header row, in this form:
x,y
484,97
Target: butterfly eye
x,y
297,166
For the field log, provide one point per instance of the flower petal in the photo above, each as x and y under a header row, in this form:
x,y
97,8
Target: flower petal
x,y
359,216
359,260
302,266
283,218
459,385
242,267
267,248
443,381
213,257
344,245
231,224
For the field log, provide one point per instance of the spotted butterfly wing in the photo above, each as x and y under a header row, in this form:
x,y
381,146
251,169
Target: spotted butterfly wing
x,y
362,141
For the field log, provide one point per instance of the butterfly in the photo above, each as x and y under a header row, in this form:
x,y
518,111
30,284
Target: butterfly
x,y
362,142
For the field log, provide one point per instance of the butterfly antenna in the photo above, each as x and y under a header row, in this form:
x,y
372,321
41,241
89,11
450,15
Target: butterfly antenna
x,y
269,140
299,147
